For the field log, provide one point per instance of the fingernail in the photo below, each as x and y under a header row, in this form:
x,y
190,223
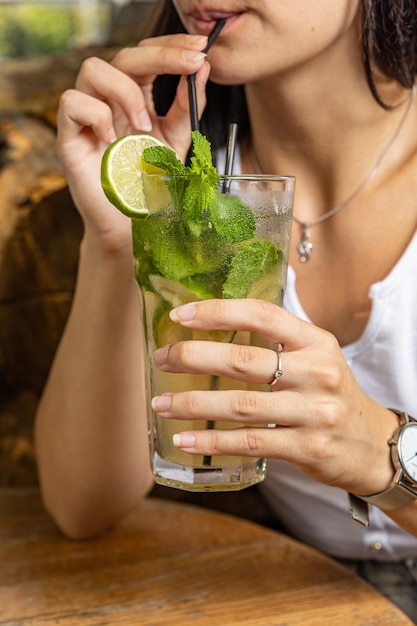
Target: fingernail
x,y
160,356
184,313
183,440
191,56
160,404
111,135
144,121
199,41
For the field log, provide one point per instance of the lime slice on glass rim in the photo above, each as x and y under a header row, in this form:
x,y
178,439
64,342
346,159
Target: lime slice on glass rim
x,y
122,169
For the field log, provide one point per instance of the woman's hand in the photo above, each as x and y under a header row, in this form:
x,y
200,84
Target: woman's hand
x,y
112,100
324,423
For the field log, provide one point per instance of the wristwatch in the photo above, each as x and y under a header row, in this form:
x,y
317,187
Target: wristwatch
x,y
403,445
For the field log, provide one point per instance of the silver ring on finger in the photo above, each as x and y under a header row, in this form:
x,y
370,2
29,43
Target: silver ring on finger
x,y
279,371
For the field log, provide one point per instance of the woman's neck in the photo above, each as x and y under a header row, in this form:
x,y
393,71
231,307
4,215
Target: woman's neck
x,y
328,139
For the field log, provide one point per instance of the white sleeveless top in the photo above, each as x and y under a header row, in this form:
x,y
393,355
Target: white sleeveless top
x,y
384,362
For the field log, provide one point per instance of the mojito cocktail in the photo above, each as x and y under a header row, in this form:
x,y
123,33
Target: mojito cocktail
x,y
197,235
238,248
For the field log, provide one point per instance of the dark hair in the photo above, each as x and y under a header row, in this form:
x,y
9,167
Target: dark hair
x,y
389,39
389,42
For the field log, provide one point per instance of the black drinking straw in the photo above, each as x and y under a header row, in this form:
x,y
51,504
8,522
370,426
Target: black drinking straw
x,y
230,154
214,33
192,95
231,148
230,157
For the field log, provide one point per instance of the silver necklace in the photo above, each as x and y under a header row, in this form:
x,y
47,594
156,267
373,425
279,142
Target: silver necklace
x,y
305,246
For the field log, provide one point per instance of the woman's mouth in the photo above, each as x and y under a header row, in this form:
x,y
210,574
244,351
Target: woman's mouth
x,y
203,23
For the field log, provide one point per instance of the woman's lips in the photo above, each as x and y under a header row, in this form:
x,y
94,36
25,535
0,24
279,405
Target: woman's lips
x,y
204,24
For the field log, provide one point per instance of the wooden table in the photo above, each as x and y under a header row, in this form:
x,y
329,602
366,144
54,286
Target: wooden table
x,y
170,564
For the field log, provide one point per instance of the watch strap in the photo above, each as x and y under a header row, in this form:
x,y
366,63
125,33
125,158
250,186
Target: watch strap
x,y
392,498
358,510
403,417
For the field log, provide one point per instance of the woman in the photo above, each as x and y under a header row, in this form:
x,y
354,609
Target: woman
x,y
328,97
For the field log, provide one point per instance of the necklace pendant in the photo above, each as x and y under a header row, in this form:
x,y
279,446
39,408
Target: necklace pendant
x,y
305,247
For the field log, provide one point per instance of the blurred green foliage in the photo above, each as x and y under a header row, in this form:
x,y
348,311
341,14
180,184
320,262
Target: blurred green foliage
x,y
29,30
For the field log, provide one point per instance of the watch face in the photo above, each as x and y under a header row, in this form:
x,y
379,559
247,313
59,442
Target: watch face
x,y
407,450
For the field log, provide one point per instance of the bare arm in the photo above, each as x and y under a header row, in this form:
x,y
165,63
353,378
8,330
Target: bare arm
x,y
91,427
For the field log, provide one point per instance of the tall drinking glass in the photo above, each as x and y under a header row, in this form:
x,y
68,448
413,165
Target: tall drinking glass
x,y
237,248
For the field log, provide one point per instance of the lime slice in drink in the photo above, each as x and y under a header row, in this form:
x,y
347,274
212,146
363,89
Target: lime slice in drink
x,y
267,288
172,292
176,295
169,332
122,169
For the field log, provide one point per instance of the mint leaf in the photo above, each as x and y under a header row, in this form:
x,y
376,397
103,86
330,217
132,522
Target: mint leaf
x,y
203,184
163,238
231,218
196,201
202,162
162,245
206,285
193,193
166,159
253,260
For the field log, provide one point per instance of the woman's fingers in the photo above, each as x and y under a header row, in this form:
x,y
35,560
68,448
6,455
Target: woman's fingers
x,y
126,86
177,54
299,369
310,358
78,110
179,40
126,83
239,406
282,443
144,63
183,54
258,316
246,363
141,64
309,403
104,90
